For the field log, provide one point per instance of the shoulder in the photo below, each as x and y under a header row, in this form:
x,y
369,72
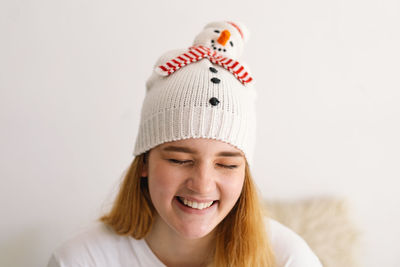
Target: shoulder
x,y
98,246
290,249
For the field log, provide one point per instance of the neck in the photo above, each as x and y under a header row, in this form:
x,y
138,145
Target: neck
x,y
174,250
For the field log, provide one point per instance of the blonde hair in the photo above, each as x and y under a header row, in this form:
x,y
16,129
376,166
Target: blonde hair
x,y
241,238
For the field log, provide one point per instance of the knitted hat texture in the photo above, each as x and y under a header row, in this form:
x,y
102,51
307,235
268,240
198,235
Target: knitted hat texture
x,y
200,92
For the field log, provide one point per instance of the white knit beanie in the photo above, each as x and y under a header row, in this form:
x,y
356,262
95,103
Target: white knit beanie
x,y
201,92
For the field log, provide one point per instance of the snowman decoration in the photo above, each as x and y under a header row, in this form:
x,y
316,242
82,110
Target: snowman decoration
x,y
220,42
202,91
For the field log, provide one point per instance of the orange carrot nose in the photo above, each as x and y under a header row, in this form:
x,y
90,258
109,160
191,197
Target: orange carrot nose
x,y
224,37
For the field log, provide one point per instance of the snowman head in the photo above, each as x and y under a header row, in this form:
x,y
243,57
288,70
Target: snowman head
x,y
224,37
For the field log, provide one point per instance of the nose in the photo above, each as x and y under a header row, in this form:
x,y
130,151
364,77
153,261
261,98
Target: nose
x,y
202,180
224,37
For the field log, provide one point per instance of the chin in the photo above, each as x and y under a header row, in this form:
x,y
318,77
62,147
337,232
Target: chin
x,y
195,232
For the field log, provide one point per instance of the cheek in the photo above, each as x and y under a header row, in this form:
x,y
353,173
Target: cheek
x,y
233,186
162,181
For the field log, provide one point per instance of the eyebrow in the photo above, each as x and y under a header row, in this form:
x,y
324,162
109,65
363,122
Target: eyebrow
x,y
191,151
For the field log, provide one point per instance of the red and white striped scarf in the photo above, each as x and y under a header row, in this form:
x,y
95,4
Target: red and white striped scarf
x,y
196,53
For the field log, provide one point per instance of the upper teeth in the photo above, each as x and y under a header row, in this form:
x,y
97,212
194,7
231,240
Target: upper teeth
x,y
196,205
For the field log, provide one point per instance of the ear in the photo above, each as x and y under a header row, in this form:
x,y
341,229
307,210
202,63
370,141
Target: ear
x,y
145,169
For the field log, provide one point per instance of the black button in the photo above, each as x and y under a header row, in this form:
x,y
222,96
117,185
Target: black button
x,y
215,80
214,101
212,69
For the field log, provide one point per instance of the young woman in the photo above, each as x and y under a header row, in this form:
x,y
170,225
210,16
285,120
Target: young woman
x,y
188,198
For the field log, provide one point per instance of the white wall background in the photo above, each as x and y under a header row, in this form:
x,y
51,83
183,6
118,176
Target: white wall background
x,y
72,77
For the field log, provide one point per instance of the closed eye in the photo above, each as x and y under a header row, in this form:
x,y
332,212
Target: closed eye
x,y
231,43
179,162
227,166
217,31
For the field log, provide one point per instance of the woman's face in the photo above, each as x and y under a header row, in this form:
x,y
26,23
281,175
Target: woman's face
x,y
193,184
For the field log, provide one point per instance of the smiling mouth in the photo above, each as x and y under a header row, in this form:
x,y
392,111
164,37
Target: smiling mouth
x,y
196,205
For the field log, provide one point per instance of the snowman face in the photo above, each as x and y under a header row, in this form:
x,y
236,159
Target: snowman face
x,y
224,40
221,43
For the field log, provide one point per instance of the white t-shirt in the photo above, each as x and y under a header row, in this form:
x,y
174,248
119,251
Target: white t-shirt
x,y
101,247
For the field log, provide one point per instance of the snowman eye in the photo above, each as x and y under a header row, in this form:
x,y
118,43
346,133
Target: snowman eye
x,y
216,31
231,43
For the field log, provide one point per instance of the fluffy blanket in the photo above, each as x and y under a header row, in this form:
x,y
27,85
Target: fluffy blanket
x,y
325,224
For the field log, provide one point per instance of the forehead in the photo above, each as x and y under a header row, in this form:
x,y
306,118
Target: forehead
x,y
200,146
